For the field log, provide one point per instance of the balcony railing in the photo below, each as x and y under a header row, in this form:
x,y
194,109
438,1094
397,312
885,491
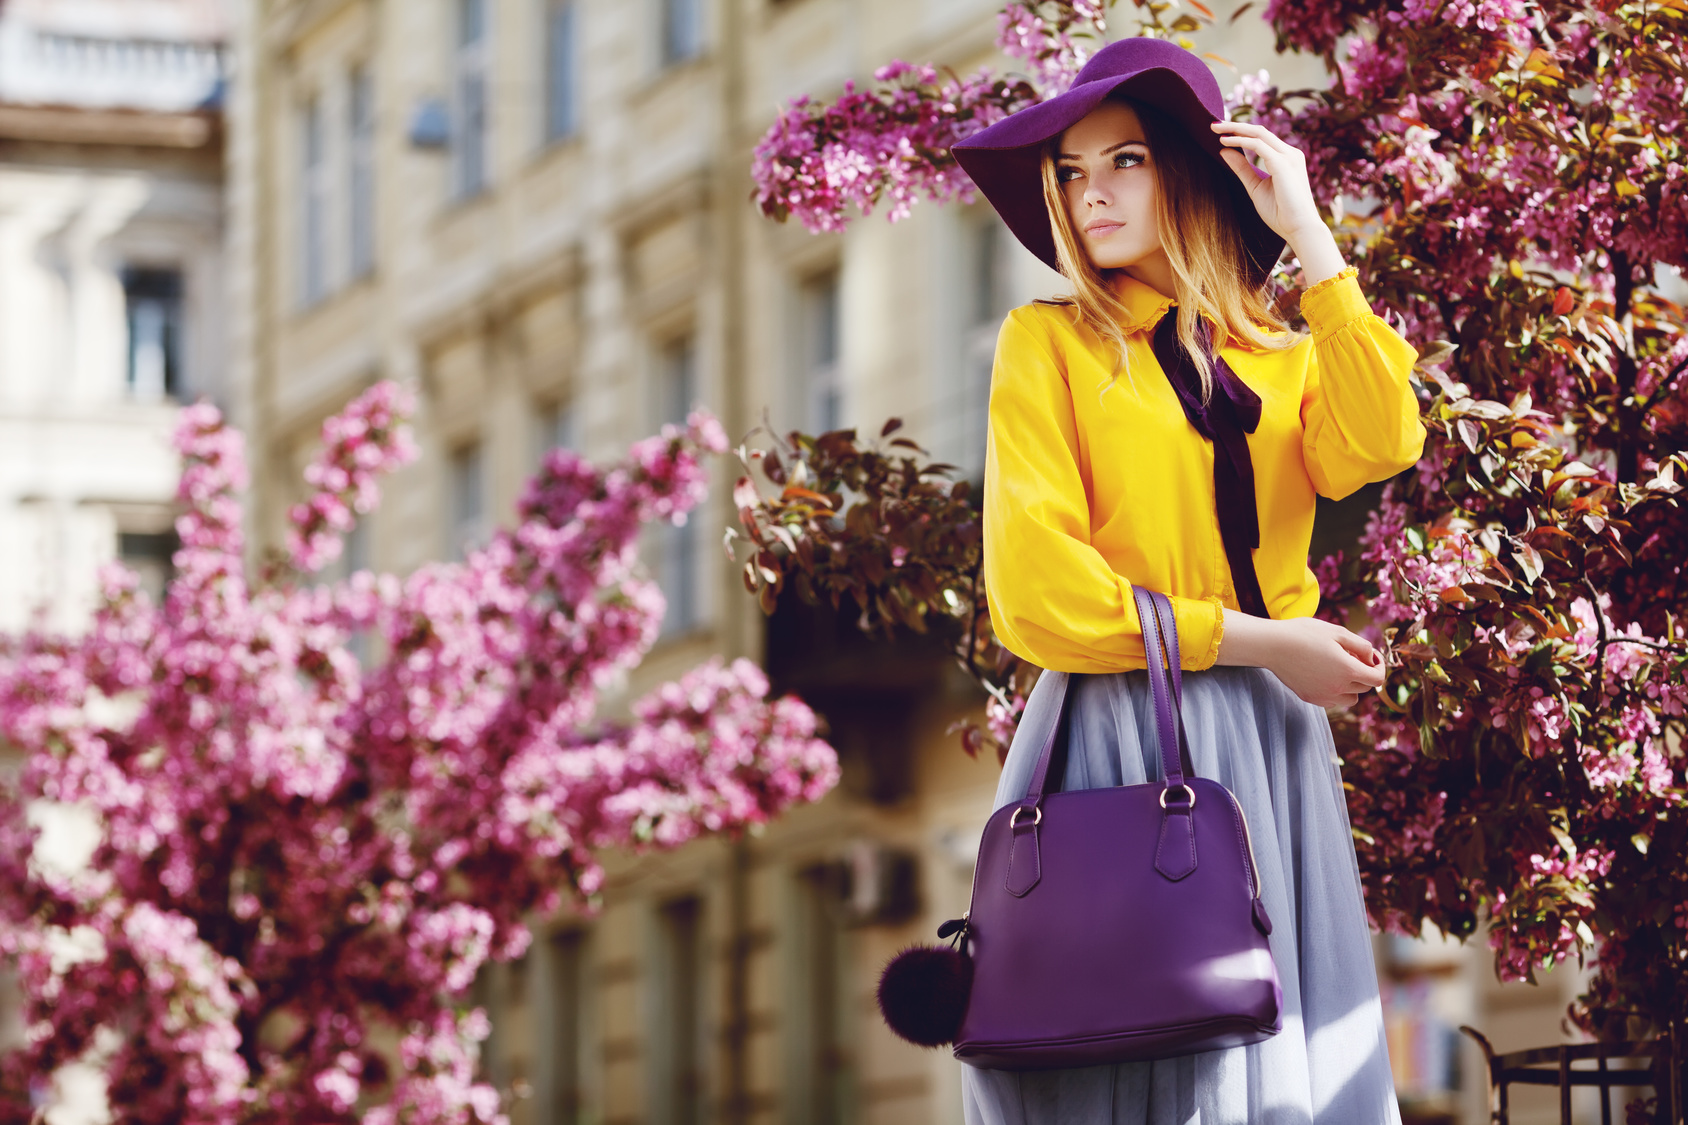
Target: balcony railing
x,y
54,68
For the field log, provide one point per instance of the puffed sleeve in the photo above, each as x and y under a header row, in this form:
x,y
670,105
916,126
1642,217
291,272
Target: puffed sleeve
x,y
1359,415
1053,598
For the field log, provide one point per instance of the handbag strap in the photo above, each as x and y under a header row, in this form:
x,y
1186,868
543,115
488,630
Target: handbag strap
x,y
1169,632
1160,644
1160,647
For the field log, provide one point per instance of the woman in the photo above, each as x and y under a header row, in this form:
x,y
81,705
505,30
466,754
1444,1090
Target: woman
x,y
1162,426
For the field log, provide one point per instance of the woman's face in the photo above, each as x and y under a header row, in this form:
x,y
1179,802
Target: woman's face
x,y
1103,167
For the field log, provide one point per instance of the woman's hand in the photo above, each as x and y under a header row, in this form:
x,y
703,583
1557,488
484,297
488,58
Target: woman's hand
x,y
1282,195
1322,663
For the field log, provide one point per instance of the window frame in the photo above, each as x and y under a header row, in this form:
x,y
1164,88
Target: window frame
x,y
676,549
987,262
820,1066
556,425
568,1003
818,356
361,135
560,71
466,466
161,289
471,149
680,1062
672,49
315,199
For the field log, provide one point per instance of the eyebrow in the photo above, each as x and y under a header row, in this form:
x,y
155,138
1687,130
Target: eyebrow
x,y
1106,151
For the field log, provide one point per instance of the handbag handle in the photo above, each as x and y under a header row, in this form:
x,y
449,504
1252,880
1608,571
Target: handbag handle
x,y
1160,647
1167,627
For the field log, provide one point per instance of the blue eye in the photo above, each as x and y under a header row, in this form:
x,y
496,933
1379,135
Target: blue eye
x,y
1135,158
1062,175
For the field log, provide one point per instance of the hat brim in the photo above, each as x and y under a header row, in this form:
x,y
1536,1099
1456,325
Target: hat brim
x,y
1005,159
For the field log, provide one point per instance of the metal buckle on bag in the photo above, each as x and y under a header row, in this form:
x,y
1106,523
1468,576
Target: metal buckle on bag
x,y
1188,792
1014,820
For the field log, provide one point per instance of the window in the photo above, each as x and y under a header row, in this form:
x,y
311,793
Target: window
x,y
562,77
469,127
677,1055
467,501
361,185
985,265
817,1036
490,995
675,549
313,246
556,426
676,382
355,550
682,30
153,305
355,555
820,405
151,555
566,953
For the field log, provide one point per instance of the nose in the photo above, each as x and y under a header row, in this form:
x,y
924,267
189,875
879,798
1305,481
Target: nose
x,y
1094,196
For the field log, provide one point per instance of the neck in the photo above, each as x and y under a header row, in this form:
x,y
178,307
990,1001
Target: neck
x,y
1155,271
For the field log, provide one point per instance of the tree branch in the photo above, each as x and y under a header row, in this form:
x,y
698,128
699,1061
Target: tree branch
x,y
1663,388
1599,649
973,626
1657,645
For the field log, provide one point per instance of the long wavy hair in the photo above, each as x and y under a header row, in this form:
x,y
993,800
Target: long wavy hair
x,y
1202,238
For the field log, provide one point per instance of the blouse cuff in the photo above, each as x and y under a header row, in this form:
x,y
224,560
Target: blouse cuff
x,y
1201,626
1334,303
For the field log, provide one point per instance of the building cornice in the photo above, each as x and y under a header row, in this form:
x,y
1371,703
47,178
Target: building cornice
x,y
688,196
292,21
501,300
70,125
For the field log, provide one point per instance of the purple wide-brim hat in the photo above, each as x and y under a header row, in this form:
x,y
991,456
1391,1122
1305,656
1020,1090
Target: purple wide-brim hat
x,y
1005,160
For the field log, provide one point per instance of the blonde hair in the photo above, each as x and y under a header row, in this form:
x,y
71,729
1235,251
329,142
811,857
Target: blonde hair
x,y
1202,238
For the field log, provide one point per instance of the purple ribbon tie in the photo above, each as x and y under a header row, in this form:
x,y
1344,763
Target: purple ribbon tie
x,y
1225,419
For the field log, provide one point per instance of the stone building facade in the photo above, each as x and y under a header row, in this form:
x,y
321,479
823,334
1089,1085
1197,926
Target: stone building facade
x,y
537,212
110,284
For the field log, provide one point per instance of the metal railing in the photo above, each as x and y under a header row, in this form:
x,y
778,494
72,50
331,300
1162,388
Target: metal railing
x,y
1554,1066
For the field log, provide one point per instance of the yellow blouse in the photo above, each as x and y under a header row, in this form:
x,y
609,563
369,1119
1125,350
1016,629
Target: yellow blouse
x,y
1089,488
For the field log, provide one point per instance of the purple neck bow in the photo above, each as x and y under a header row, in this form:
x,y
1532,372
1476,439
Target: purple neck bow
x,y
1225,419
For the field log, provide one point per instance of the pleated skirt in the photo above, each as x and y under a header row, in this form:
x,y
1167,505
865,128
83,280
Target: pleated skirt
x,y
1329,1065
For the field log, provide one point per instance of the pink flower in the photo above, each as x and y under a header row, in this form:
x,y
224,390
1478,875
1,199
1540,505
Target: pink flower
x,y
291,836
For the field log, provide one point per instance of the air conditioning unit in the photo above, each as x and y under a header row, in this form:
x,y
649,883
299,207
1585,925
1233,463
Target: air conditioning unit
x,y
430,124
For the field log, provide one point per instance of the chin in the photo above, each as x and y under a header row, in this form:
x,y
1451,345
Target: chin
x,y
1112,257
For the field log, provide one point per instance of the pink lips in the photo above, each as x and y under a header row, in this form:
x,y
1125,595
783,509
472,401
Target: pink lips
x,y
1101,230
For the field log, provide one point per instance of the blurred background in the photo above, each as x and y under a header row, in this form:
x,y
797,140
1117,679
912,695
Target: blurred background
x,y
538,212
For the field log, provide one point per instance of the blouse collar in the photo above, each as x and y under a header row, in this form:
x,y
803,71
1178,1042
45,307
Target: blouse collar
x,y
1145,305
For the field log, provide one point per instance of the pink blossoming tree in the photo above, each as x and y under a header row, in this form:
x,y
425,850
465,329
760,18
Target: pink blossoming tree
x,y
304,861
1511,179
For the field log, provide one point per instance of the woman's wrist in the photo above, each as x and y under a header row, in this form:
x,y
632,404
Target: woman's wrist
x,y
1315,248
1247,640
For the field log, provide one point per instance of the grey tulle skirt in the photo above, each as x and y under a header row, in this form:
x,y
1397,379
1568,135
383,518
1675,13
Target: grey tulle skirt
x,y
1329,1065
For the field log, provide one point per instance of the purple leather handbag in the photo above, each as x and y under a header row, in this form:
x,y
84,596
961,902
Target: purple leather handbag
x,y
1116,924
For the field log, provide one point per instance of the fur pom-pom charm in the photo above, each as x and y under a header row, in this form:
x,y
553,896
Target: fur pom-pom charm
x,y
923,990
